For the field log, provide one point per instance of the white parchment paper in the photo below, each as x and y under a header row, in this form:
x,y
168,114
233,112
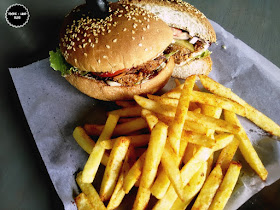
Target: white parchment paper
x,y
53,109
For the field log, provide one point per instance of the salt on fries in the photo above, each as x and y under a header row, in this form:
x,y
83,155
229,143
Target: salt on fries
x,y
173,159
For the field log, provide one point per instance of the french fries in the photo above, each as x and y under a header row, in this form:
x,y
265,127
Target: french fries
x,y
87,143
175,154
209,189
247,149
176,126
226,187
121,129
90,193
96,154
192,188
82,202
251,113
152,160
113,167
136,141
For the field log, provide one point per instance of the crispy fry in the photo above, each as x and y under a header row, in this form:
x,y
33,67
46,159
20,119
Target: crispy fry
x,y
151,119
87,143
113,167
227,154
226,187
134,111
206,121
162,181
213,123
247,149
136,141
188,126
187,172
153,154
252,114
161,184
82,202
168,159
192,188
90,192
152,160
155,106
176,126
97,153
209,189
121,129
198,139
134,174
119,192
142,198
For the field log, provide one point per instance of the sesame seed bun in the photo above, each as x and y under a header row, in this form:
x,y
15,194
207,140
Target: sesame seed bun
x,y
100,90
179,14
182,15
128,37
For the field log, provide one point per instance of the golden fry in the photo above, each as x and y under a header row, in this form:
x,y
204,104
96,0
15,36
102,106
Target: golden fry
x,y
87,143
192,188
113,167
246,148
91,193
96,155
227,186
82,202
209,189
151,119
176,126
252,114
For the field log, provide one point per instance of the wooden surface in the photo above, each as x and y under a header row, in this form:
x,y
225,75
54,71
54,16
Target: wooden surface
x,y
24,181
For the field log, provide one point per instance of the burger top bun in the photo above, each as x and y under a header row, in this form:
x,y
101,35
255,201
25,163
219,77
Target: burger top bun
x,y
129,36
179,14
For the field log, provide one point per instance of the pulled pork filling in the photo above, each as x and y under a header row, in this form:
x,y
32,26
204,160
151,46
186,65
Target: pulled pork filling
x,y
135,75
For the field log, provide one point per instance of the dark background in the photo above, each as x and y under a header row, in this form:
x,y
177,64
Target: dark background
x,y
24,180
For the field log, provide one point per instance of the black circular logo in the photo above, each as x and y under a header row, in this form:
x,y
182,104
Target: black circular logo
x,y
17,15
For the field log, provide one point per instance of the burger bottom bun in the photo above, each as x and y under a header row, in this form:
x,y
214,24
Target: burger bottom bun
x,y
100,90
197,66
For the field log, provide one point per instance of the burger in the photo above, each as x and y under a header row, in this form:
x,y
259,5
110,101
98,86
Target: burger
x,y
192,34
114,57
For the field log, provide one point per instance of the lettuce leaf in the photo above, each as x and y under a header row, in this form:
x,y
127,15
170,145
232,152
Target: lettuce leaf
x,y
204,54
58,63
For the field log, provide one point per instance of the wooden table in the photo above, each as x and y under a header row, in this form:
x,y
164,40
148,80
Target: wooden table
x,y
25,183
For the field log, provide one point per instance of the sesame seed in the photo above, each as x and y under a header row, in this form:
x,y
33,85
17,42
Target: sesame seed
x,y
114,40
108,46
140,44
80,46
85,54
146,49
124,29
